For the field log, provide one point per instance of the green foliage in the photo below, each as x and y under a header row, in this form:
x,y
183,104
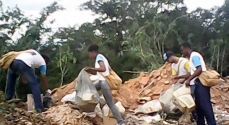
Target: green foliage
x,y
132,34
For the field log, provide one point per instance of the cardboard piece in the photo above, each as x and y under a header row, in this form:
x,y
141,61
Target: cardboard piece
x,y
109,121
30,102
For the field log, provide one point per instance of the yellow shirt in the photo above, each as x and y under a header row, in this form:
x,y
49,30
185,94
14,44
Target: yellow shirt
x,y
184,67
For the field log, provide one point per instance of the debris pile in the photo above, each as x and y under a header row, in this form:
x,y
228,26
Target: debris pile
x,y
21,117
149,86
219,96
66,115
139,96
58,93
13,113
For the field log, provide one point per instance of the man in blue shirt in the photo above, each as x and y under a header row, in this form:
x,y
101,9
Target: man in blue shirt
x,y
202,93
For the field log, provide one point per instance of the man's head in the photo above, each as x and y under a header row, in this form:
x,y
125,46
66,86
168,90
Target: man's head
x,y
46,58
93,51
186,49
169,57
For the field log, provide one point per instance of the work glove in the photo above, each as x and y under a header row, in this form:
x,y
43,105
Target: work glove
x,y
47,99
48,92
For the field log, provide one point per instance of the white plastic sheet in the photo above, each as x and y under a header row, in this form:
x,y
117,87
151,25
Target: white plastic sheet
x,y
149,107
107,112
87,96
167,97
69,98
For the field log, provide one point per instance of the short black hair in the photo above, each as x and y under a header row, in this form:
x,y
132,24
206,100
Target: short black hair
x,y
186,45
93,47
46,58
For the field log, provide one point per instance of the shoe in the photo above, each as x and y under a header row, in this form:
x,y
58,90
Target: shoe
x,y
7,99
41,110
121,124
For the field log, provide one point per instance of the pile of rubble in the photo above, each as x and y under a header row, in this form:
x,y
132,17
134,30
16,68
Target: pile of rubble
x,y
66,115
13,113
135,95
58,93
147,87
150,86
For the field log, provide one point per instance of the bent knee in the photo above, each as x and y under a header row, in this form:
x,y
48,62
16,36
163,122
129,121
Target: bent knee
x,y
104,85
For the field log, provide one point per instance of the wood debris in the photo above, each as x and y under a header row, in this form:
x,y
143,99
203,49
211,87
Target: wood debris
x,y
65,115
14,114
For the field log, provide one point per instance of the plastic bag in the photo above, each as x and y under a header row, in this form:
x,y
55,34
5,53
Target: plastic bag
x,y
87,96
166,99
120,108
149,107
98,111
69,98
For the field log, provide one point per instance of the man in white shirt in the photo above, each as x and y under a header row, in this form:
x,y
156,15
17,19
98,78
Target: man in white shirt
x,y
204,108
25,63
102,69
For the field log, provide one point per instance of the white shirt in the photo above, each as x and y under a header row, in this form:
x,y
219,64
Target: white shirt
x,y
100,75
34,60
192,66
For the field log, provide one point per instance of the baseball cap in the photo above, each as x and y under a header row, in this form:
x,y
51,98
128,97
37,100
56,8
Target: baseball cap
x,y
167,55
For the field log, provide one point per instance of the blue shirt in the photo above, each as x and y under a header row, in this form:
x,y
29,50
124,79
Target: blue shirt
x,y
196,61
43,69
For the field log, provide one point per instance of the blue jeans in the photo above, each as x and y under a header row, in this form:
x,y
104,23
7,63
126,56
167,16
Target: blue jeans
x,y
203,104
29,74
103,85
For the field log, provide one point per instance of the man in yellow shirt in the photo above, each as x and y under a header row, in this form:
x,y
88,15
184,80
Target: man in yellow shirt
x,y
180,69
180,65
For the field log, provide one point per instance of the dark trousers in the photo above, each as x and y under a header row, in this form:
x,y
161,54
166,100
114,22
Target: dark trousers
x,y
193,87
28,72
103,85
203,104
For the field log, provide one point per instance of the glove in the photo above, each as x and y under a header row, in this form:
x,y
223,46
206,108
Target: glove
x,y
48,92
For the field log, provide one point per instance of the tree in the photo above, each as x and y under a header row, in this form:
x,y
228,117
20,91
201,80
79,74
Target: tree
x,y
65,56
132,34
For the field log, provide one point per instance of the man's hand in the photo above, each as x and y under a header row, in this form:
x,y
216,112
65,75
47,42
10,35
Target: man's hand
x,y
177,77
87,68
187,83
181,81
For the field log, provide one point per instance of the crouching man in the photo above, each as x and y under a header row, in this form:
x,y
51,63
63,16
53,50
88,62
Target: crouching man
x,y
25,63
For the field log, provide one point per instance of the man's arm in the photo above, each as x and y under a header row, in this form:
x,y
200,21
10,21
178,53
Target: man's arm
x,y
44,80
197,64
186,76
102,67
